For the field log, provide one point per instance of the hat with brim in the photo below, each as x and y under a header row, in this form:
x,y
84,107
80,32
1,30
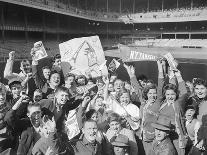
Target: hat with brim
x,y
14,81
163,123
161,127
120,140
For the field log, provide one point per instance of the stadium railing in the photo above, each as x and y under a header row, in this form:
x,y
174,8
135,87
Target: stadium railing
x,y
70,10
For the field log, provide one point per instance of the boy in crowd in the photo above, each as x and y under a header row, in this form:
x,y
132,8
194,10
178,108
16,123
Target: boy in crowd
x,y
60,105
25,76
192,126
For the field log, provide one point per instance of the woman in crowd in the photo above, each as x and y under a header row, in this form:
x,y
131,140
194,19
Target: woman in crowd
x,y
172,108
199,99
151,97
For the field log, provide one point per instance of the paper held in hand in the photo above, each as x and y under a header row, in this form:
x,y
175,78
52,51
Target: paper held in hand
x,y
39,50
171,61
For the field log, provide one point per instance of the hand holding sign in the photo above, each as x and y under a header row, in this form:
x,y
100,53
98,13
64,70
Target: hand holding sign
x,y
11,55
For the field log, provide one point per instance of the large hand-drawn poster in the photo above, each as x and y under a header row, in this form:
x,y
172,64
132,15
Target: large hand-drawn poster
x,y
84,56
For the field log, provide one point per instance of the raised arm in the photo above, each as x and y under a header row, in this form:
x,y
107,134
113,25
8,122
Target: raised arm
x,y
135,84
161,80
105,89
81,111
9,67
38,81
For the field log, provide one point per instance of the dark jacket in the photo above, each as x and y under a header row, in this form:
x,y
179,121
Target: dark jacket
x,y
21,127
163,148
83,147
49,108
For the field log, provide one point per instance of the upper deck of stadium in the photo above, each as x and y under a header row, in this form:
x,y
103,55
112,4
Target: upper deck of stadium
x,y
127,11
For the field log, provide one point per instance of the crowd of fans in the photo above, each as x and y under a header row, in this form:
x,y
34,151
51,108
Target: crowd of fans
x,y
70,8
166,14
113,116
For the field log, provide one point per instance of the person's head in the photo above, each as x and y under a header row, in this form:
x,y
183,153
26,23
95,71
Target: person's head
x,y
61,95
46,72
54,79
81,80
100,83
90,82
15,87
170,93
200,88
92,114
111,87
150,93
113,77
99,103
190,112
149,82
57,60
127,85
114,121
124,97
162,128
37,95
25,66
160,135
118,85
90,130
69,79
34,113
142,80
189,86
120,144
2,96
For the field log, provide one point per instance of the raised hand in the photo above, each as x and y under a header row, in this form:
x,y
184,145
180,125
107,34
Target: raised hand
x,y
132,69
29,76
32,52
11,55
86,100
48,124
105,79
49,151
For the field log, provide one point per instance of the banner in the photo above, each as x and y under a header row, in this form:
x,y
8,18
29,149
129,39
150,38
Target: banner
x,y
84,56
133,54
39,50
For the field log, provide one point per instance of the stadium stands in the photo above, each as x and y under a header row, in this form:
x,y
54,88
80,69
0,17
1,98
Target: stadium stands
x,y
175,15
187,43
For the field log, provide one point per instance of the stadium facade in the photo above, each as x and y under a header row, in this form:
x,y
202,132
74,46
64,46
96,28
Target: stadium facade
x,y
24,22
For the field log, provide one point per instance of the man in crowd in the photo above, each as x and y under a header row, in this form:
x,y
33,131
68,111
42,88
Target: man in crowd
x,y
87,144
162,144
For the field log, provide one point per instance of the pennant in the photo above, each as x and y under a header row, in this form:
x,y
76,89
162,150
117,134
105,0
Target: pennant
x,y
114,64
